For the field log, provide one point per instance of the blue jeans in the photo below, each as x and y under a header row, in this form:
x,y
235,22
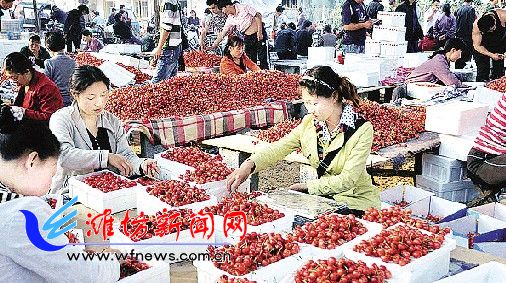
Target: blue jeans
x,y
167,65
353,48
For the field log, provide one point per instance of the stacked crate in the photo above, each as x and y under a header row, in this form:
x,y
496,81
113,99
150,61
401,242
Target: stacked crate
x,y
388,39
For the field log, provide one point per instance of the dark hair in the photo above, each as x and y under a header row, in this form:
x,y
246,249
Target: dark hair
x,y
55,41
447,9
292,26
83,9
306,24
9,1
233,41
468,1
434,1
113,9
329,84
86,32
121,6
18,63
21,137
193,11
327,28
86,75
456,43
223,3
117,16
207,11
486,22
150,29
280,9
34,37
96,13
211,2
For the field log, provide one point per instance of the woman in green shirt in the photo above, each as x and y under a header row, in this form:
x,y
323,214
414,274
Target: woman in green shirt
x,y
335,139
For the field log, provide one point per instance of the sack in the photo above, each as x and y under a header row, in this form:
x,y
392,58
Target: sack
x,y
428,44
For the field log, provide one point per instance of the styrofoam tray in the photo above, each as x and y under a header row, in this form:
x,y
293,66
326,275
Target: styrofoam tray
x,y
275,272
424,90
393,34
170,170
492,216
409,194
219,188
426,269
97,200
159,272
436,206
150,205
459,117
491,272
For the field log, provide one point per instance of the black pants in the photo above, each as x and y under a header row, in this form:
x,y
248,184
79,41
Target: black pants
x,y
413,46
467,53
287,55
73,39
483,66
487,170
256,50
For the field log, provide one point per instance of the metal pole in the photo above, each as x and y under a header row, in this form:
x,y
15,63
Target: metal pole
x,y
37,23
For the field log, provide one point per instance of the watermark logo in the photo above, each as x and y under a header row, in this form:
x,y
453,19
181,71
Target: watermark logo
x,y
54,225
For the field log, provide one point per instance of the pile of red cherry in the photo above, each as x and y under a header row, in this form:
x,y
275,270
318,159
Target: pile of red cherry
x,y
108,182
191,156
225,279
176,193
131,266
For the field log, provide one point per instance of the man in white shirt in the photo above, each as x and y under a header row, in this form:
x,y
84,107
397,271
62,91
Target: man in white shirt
x,y
431,16
279,18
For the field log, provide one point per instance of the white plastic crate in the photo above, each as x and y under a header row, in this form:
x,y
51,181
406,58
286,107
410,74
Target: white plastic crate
x,y
170,170
185,243
373,229
487,96
275,272
443,169
392,34
159,272
119,76
150,204
436,206
283,224
393,48
372,47
461,191
456,147
409,194
490,272
426,269
122,48
359,62
97,200
392,19
362,78
461,227
456,117
493,216
424,90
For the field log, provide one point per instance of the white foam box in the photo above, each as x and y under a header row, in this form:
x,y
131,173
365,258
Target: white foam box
x,y
424,90
413,60
170,170
150,205
429,268
493,213
362,78
392,19
159,272
321,54
487,96
122,48
472,223
359,62
280,225
436,206
490,272
393,48
456,147
409,194
219,188
118,75
392,34
372,47
274,272
443,169
185,243
97,200
460,191
456,117
493,248
373,229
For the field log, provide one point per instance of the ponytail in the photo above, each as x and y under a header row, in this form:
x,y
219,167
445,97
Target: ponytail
x,y
347,90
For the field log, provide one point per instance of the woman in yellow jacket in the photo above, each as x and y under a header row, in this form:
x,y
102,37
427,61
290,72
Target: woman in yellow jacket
x,y
335,139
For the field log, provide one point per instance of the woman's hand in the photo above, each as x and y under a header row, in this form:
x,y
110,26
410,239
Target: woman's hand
x,y
300,187
239,175
121,163
150,168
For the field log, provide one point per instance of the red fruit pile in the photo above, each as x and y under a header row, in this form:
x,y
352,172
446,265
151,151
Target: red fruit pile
x,y
399,78
146,181
201,59
433,218
329,231
398,245
152,224
176,193
392,125
86,58
341,270
402,203
140,77
211,171
191,156
256,213
498,85
131,266
253,252
278,131
108,182
225,279
201,95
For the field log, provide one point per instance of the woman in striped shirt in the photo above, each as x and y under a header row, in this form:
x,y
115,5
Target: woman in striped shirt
x,y
486,162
